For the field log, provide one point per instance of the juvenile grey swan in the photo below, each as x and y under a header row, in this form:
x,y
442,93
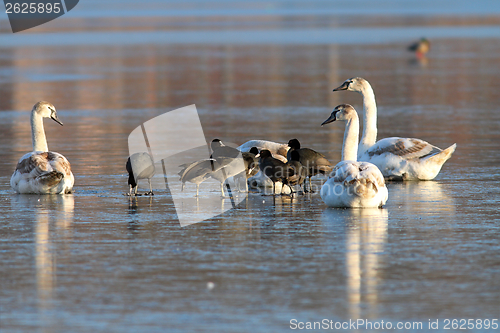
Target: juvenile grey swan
x,y
42,171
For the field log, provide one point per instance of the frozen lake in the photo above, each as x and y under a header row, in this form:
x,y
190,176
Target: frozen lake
x,y
96,261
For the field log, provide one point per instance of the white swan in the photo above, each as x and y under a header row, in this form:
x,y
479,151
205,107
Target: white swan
x,y
278,150
354,184
397,158
42,171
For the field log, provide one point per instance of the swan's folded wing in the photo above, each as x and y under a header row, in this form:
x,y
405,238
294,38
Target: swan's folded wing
x,y
44,168
372,173
38,164
344,171
59,163
407,148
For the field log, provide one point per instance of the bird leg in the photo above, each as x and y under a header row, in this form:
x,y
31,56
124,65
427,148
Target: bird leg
x,y
150,189
135,191
310,187
222,189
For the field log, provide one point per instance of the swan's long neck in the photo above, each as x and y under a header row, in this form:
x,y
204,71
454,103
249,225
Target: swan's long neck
x,y
369,136
350,145
38,133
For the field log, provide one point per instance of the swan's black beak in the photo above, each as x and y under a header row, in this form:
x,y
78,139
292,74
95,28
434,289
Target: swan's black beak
x,y
344,86
54,117
330,119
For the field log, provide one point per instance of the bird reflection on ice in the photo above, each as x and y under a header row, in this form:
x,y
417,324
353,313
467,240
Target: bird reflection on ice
x,y
365,238
46,212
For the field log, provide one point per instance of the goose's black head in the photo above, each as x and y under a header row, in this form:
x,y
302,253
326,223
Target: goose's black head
x,y
264,153
294,144
254,150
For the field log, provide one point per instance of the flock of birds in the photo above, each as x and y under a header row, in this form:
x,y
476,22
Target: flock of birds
x,y
358,180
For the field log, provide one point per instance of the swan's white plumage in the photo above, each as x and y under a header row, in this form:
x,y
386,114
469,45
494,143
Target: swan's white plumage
x,y
397,158
407,158
278,150
353,184
42,171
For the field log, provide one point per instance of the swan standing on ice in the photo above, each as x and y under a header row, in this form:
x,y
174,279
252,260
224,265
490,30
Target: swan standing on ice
x,y
354,184
42,171
397,158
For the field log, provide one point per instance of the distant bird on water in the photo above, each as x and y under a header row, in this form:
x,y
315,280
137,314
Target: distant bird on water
x,y
144,168
420,48
42,171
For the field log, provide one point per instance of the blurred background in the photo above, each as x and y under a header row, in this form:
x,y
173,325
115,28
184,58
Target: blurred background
x,y
255,70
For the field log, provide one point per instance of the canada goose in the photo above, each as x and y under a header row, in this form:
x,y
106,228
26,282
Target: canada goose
x,y
299,172
42,171
313,162
142,165
274,169
251,162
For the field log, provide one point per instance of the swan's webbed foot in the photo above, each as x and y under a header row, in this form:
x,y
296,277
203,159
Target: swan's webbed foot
x,y
149,193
